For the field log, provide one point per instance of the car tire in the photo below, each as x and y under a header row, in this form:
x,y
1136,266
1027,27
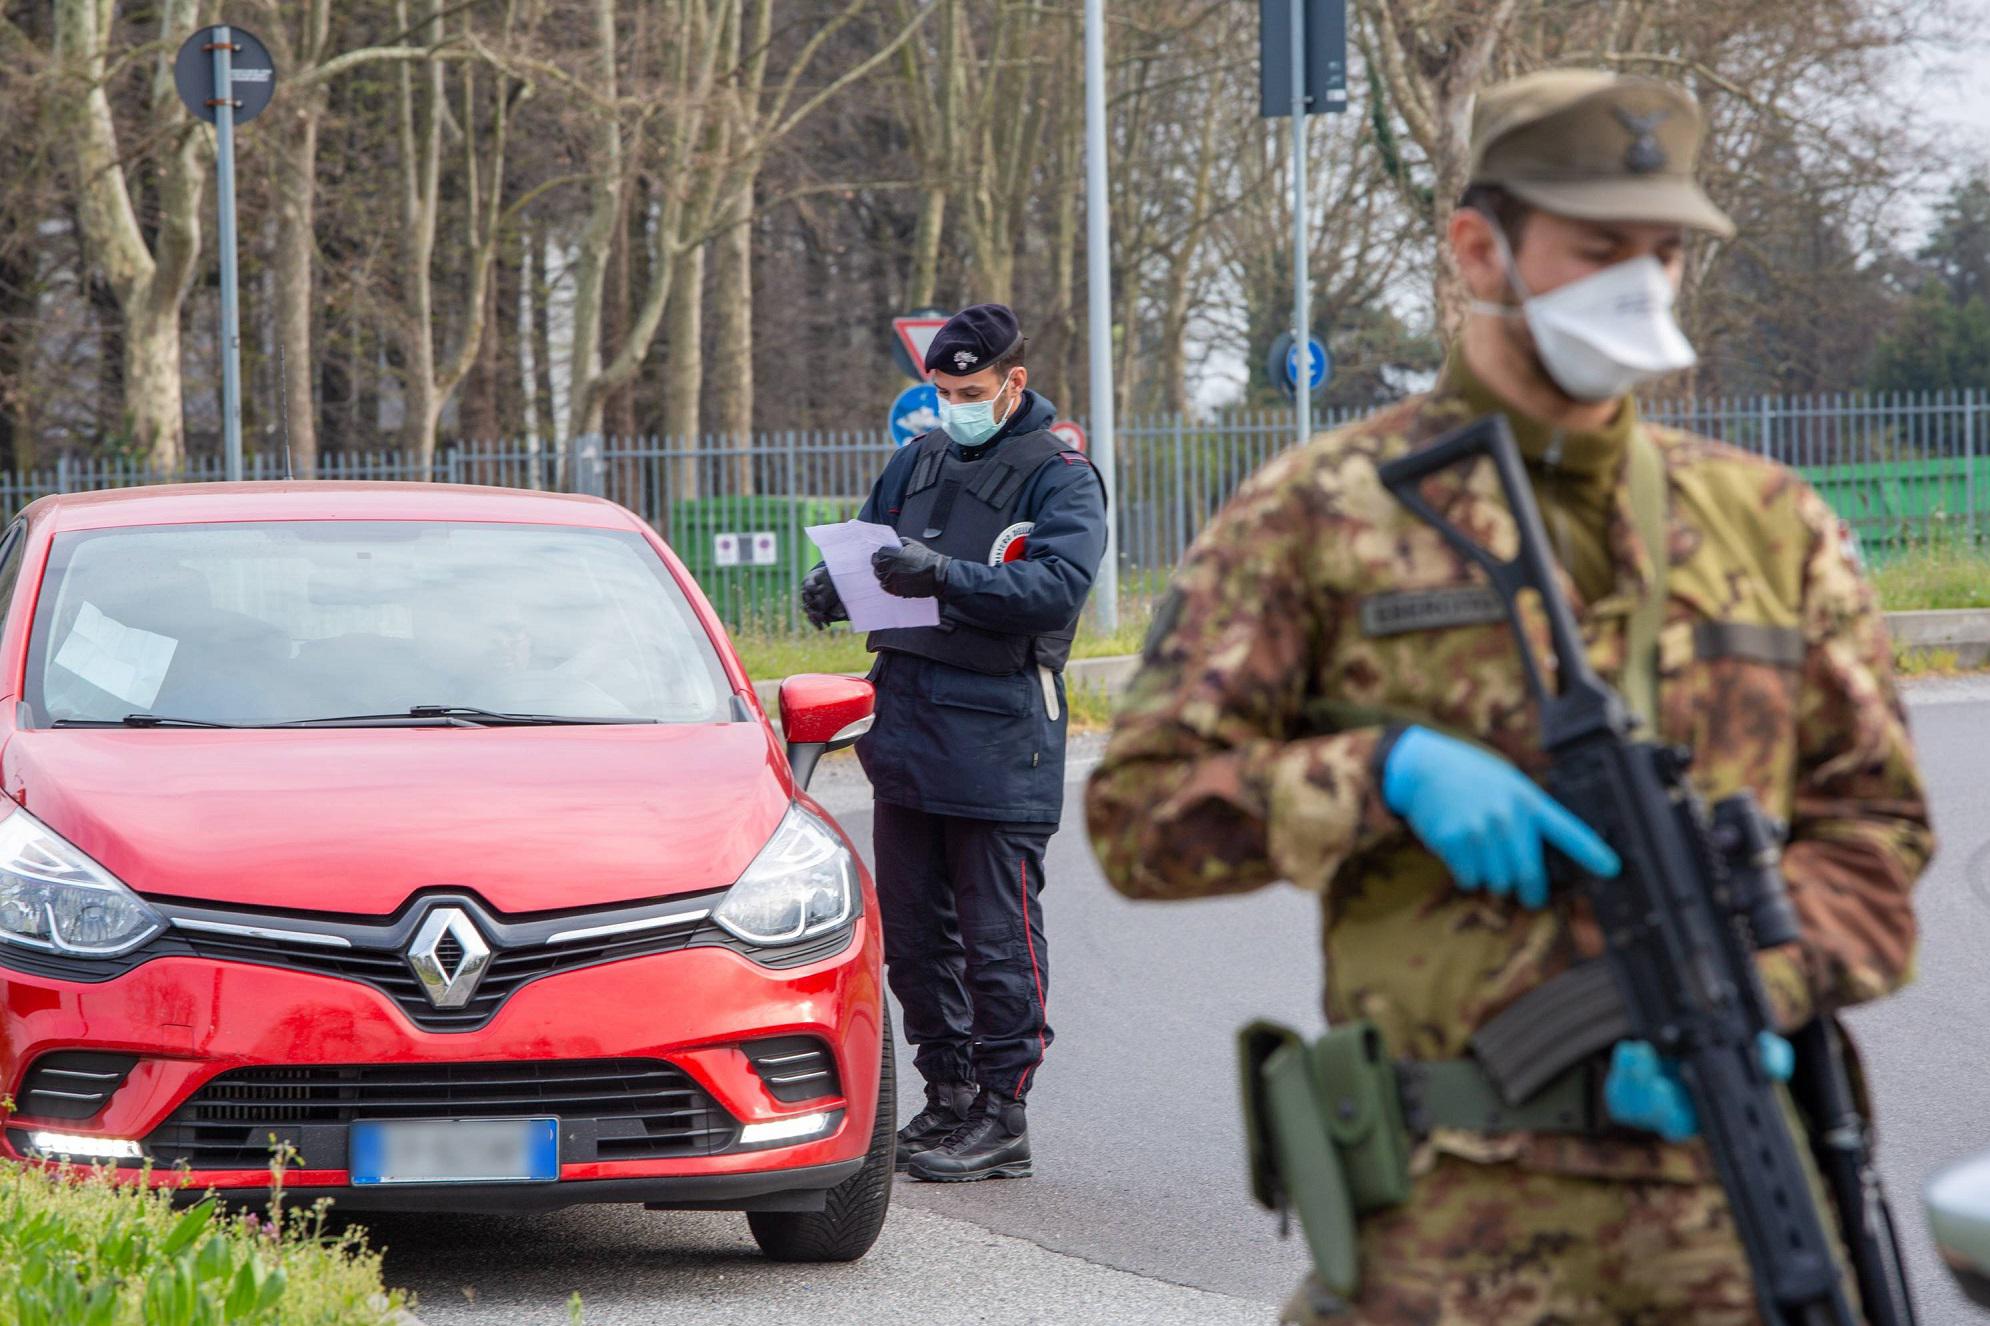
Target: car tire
x,y
849,1221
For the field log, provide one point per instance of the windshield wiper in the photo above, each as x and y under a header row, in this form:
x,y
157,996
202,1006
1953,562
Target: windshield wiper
x,y
460,714
139,720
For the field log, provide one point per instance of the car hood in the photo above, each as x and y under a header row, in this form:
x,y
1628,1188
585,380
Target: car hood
x,y
354,820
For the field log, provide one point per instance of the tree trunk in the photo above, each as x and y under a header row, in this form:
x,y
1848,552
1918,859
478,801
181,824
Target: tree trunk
x,y
619,409
296,224
732,358
585,403
421,164
926,249
19,280
545,418
108,320
152,404
150,279
684,370
480,413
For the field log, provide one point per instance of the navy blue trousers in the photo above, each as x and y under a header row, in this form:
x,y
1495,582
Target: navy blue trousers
x,y
964,947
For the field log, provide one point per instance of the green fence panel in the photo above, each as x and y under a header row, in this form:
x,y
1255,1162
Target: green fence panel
x,y
749,553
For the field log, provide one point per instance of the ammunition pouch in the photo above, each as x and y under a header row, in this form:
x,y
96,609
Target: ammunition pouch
x,y
1326,1135
1330,1126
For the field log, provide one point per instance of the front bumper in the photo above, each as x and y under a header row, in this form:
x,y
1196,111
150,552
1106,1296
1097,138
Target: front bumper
x,y
190,1020
801,1188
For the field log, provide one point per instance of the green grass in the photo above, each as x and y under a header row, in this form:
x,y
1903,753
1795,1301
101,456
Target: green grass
x,y
83,1250
1939,574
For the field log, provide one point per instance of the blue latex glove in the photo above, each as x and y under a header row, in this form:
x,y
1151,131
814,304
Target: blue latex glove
x,y
1485,818
1646,1091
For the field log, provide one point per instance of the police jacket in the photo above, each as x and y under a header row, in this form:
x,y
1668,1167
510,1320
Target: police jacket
x,y
970,716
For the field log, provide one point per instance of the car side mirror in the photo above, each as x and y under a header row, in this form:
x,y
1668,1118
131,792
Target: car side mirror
x,y
1958,1204
822,712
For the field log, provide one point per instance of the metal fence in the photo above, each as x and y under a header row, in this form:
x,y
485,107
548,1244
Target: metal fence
x,y
1899,469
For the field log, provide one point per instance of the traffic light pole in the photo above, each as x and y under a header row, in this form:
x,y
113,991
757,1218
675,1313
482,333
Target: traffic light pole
x,y
1098,282
223,49
1302,294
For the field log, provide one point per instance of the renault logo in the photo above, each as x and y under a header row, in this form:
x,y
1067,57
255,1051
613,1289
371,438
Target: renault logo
x,y
426,954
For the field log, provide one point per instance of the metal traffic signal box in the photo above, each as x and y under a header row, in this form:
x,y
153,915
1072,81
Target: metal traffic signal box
x,y
1326,56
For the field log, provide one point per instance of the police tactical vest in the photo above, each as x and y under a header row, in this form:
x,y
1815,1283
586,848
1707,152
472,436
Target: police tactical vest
x,y
969,509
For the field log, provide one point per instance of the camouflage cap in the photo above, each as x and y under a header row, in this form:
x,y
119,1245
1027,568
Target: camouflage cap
x,y
1595,145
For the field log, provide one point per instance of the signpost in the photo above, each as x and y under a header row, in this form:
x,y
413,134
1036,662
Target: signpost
x,y
916,411
912,333
1098,302
226,77
1302,54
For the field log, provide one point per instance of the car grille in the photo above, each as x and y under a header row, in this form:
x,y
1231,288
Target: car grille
x,y
387,970
609,1109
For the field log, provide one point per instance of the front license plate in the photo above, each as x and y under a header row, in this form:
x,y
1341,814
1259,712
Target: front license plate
x,y
454,1151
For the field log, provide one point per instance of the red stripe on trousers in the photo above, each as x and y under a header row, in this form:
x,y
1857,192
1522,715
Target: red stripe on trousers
x,y
1036,974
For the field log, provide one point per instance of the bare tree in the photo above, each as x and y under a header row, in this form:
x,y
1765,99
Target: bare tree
x,y
149,279
428,385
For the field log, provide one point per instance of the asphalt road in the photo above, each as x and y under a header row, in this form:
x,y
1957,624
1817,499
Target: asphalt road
x,y
1138,1213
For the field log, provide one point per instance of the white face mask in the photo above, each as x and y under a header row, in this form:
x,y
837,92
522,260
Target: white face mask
x,y
1604,334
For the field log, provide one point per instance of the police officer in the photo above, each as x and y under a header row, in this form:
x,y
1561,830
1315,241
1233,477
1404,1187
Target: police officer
x,y
1005,526
1330,696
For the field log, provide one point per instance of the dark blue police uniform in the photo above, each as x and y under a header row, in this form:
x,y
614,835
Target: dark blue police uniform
x,y
966,756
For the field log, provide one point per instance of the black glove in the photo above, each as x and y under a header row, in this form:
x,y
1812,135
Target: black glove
x,y
820,601
911,570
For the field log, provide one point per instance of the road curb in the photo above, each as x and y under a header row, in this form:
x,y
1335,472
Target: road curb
x,y
1964,630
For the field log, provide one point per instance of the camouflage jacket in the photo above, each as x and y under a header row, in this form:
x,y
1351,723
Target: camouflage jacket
x,y
1234,761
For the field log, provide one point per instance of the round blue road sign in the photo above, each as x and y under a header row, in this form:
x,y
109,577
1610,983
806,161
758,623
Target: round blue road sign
x,y
916,411
1318,365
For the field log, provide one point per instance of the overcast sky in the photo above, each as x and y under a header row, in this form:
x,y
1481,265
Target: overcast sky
x,y
1954,95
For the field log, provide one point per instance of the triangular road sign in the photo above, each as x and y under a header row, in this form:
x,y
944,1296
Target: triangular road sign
x,y
915,333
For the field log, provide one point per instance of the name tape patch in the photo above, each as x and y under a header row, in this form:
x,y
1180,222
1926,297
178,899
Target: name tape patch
x,y
1430,609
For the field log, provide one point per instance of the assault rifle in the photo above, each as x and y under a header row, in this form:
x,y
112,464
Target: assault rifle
x,y
1701,890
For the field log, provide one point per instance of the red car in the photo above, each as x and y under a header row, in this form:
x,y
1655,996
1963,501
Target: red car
x,y
433,837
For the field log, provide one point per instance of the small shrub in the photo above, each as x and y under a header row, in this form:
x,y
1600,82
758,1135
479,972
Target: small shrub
x,y
88,1247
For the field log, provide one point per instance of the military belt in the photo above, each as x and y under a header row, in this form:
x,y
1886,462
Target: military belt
x,y
1458,1093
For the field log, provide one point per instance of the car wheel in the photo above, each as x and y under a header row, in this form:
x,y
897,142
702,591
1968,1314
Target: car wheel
x,y
849,1221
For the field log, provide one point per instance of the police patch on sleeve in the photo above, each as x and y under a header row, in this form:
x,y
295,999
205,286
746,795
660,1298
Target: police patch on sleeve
x,y
1011,543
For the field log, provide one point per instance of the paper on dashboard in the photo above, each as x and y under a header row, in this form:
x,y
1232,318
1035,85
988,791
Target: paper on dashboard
x,y
846,551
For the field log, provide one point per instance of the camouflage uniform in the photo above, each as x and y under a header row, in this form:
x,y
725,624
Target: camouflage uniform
x,y
1242,754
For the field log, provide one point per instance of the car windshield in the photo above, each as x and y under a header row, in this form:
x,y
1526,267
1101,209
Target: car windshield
x,y
290,621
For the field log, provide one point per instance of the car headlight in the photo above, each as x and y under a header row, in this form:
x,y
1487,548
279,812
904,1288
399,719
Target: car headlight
x,y
803,884
54,898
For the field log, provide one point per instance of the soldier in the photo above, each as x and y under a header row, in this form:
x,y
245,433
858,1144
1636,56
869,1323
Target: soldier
x,y
1330,696
1005,525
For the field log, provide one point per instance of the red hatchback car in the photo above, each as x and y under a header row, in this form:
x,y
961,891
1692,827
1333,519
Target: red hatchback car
x,y
434,837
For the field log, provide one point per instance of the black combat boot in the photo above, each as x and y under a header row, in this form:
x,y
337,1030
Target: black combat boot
x,y
992,1144
947,1107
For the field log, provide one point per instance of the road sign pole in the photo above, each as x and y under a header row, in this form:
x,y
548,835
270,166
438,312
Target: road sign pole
x,y
1302,294
1098,280
231,322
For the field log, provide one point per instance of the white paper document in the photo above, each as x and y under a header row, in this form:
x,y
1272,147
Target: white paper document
x,y
129,663
846,550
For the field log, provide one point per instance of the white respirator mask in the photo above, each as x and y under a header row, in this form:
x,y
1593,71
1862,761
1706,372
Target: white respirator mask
x,y
1602,335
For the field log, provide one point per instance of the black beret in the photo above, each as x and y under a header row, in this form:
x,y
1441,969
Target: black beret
x,y
973,339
